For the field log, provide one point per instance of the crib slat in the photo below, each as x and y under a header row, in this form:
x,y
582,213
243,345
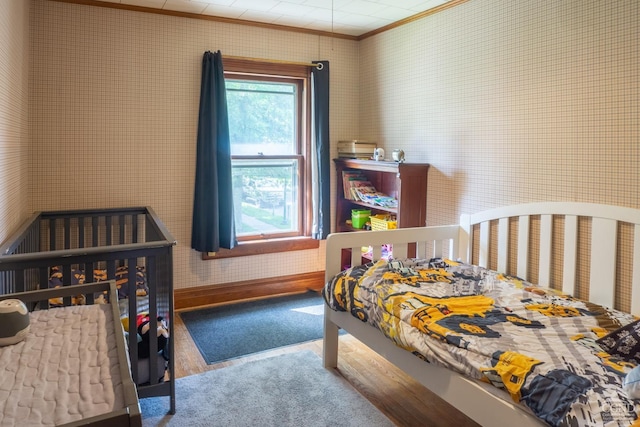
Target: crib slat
x,y
121,220
67,233
88,272
30,240
546,235
44,284
483,257
133,330
52,234
89,277
5,282
503,244
153,314
111,269
134,228
108,229
94,231
19,281
635,280
66,274
604,233
523,246
570,255
81,232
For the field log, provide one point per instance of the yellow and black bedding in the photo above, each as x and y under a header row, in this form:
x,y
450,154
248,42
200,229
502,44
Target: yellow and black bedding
x,y
538,345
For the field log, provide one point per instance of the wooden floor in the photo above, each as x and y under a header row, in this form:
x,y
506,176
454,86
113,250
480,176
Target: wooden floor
x,y
401,399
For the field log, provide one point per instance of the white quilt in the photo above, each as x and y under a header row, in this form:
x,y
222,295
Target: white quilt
x,y
66,369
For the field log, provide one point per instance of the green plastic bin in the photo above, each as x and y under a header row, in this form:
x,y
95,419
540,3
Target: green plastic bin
x,y
359,217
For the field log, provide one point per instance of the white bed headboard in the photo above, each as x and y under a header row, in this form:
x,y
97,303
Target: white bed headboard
x,y
605,221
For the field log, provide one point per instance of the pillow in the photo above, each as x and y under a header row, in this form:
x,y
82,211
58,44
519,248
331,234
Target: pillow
x,y
631,384
624,342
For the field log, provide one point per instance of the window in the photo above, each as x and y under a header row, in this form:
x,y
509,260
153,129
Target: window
x,y
268,107
266,156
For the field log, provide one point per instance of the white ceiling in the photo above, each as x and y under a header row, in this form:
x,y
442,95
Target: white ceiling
x,y
350,17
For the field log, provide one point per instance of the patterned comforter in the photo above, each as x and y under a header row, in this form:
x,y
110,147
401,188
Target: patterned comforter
x,y
536,344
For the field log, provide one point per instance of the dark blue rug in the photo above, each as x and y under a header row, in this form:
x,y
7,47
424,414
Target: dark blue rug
x,y
235,330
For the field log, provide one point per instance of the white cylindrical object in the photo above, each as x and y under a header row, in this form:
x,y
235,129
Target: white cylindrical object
x,y
378,154
398,155
14,321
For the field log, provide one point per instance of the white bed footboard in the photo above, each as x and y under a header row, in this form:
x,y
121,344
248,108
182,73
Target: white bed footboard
x,y
427,238
422,237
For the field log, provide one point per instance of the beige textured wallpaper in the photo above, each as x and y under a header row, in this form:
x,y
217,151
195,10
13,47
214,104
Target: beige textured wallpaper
x,y
14,132
511,101
114,110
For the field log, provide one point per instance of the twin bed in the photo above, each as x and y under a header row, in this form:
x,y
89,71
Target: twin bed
x,y
465,318
53,257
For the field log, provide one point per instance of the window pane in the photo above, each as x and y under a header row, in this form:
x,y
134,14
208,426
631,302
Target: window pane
x,y
262,117
265,194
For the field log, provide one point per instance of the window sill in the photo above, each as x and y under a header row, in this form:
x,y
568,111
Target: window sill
x,y
264,247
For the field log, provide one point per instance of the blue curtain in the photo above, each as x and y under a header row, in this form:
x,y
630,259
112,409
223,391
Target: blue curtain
x,y
321,160
213,225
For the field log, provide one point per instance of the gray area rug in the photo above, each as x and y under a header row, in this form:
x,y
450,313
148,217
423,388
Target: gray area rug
x,y
286,390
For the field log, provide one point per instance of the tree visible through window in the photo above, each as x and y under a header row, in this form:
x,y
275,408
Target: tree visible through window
x,y
267,115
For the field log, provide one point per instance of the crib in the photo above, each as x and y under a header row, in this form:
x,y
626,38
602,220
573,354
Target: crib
x,y
92,340
89,245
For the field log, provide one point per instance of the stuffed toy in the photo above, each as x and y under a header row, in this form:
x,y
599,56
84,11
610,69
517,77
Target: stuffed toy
x,y
162,334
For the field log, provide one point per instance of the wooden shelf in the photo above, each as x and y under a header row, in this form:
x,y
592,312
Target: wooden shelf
x,y
374,207
407,182
347,227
